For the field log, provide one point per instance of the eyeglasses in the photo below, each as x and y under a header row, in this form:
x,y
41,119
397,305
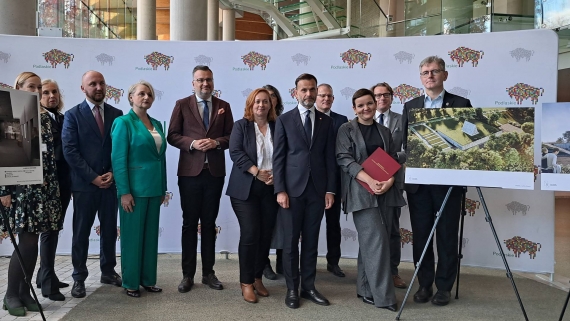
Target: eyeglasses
x,y
325,96
433,72
202,80
386,95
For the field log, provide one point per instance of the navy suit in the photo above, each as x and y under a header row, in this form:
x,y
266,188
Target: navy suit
x,y
88,154
332,215
306,170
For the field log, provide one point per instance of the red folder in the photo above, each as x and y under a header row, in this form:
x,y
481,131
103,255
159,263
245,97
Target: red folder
x,y
379,166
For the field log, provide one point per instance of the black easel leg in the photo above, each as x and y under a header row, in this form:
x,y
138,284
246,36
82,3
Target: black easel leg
x,y
564,308
509,273
437,217
17,250
460,255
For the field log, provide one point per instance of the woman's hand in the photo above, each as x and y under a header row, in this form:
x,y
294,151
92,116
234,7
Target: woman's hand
x,y
385,185
263,175
270,180
6,200
127,202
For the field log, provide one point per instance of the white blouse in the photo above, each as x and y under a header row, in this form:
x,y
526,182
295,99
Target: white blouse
x,y
157,138
264,148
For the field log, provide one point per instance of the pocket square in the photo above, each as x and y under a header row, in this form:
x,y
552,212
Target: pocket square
x,y
221,111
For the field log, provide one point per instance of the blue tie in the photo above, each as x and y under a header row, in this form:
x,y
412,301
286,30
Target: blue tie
x,y
206,117
382,119
308,125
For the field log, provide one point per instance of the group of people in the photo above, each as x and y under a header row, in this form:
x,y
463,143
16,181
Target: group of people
x,y
289,170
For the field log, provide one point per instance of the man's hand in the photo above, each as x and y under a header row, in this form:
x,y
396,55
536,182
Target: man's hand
x,y
6,200
329,200
107,179
263,175
204,144
283,199
98,181
269,180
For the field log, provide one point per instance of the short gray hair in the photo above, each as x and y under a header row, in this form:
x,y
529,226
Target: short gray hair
x,y
134,86
325,85
431,59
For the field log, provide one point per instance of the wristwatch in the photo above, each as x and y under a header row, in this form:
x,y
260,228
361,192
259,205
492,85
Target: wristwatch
x,y
217,144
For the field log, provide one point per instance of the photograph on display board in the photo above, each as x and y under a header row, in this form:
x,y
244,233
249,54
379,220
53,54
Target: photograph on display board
x,y
473,141
20,148
555,147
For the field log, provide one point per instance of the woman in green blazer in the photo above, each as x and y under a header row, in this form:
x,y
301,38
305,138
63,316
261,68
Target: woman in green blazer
x,y
139,167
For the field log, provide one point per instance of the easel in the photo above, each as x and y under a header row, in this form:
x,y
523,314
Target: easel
x,y
490,221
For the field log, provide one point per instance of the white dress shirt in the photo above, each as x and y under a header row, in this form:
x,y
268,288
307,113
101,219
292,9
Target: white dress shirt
x,y
264,148
386,118
434,103
303,111
101,110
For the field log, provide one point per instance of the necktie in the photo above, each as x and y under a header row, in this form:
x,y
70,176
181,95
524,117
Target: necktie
x,y
308,125
99,120
381,119
206,117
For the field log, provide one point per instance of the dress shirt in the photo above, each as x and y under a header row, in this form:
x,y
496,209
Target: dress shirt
x,y
264,148
101,110
435,103
386,118
302,112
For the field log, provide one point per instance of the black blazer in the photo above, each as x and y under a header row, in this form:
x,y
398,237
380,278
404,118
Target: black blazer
x,y
295,159
243,153
449,101
338,120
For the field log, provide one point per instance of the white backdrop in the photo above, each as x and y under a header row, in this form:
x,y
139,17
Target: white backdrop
x,y
394,60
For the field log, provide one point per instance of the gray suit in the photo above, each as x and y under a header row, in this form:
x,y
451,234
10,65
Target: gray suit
x,y
369,213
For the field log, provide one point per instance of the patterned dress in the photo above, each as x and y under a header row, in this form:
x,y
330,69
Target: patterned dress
x,y
37,208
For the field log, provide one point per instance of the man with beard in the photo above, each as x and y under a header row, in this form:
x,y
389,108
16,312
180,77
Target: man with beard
x,y
200,127
304,174
87,149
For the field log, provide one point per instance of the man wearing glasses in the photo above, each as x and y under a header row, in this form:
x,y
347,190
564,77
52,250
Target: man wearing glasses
x,y
200,127
384,95
324,102
425,200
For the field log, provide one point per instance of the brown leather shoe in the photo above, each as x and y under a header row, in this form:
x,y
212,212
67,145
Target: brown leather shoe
x,y
398,282
260,288
248,294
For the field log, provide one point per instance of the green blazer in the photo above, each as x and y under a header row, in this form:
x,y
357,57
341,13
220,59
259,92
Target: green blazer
x,y
139,169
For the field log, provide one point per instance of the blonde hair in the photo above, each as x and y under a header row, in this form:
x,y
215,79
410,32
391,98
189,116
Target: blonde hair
x,y
51,81
22,77
134,87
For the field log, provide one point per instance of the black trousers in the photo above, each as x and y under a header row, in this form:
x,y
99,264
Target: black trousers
x,y
200,200
85,206
304,215
423,206
256,217
395,239
332,216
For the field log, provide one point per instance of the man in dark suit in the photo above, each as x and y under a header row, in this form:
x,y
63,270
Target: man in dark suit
x,y
304,174
425,200
200,127
324,102
87,149
384,95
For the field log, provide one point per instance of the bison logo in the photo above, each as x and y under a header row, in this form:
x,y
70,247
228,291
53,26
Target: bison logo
x,y
402,56
460,91
292,92
246,92
516,207
462,55
407,237
167,197
3,236
4,56
353,57
298,59
520,53
471,206
158,94
56,57
104,58
97,230
522,92
156,59
3,85
216,93
347,92
203,60
253,59
348,234
217,228
520,245
114,93
406,92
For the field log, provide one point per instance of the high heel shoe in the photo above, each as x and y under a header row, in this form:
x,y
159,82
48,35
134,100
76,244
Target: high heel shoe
x,y
247,293
17,312
260,288
133,293
152,288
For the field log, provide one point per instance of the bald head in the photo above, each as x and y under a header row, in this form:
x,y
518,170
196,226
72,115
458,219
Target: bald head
x,y
94,87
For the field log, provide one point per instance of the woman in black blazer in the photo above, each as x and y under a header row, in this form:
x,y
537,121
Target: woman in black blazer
x,y
250,189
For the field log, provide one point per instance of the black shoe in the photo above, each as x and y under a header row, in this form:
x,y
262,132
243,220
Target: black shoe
x,y
133,293
393,307
55,297
113,279
185,285
60,285
367,300
292,299
423,295
153,288
268,273
441,298
336,270
78,290
212,281
314,296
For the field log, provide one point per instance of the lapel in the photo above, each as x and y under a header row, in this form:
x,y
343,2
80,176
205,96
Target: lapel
x,y
251,140
160,131
392,123
108,120
297,121
194,110
447,100
272,129
144,131
358,139
214,111
317,125
87,113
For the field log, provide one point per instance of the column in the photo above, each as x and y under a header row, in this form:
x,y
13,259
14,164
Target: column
x,y
188,20
229,25
18,17
213,19
146,19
